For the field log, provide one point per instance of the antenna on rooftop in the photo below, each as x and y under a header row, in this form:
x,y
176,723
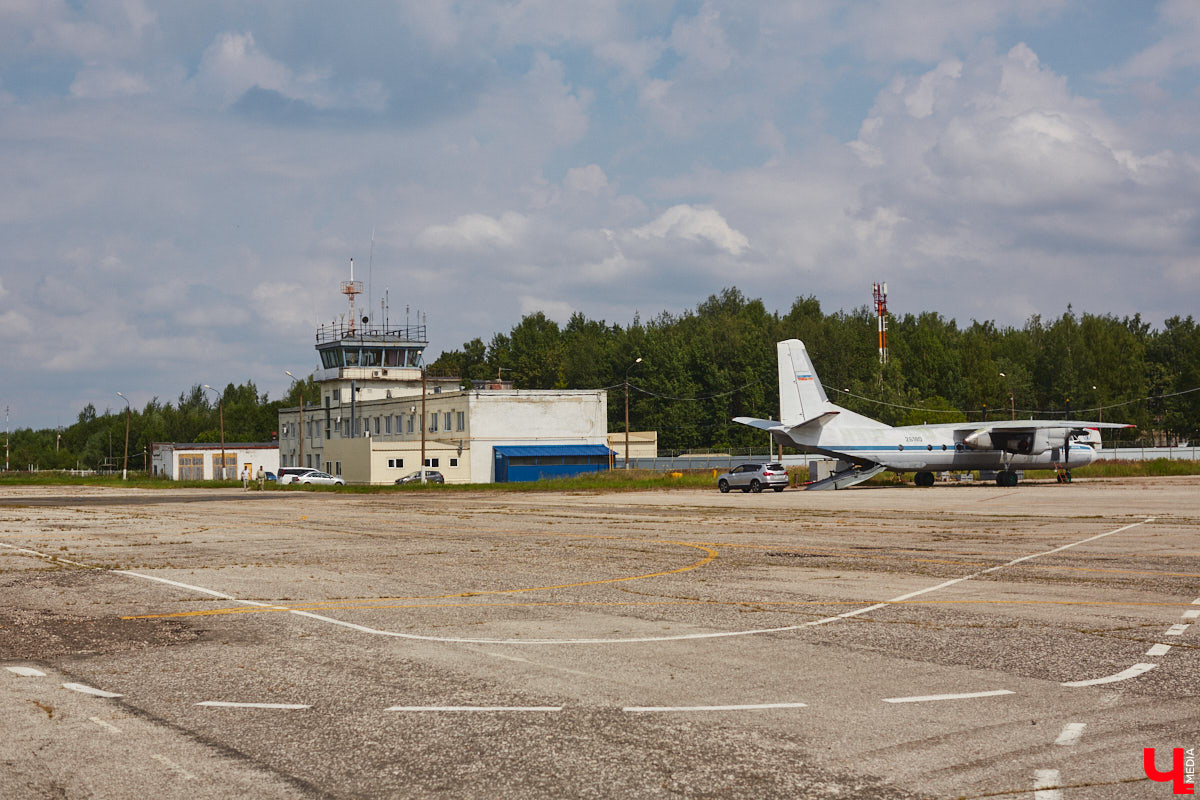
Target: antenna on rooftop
x,y
351,288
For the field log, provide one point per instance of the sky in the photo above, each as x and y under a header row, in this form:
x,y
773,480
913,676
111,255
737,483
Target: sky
x,y
184,184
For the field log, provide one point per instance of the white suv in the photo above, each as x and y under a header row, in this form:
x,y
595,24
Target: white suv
x,y
307,475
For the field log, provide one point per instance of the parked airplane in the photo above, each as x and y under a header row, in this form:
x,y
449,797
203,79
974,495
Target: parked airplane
x,y
865,447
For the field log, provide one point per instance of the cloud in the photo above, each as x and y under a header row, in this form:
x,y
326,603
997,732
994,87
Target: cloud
x,y
474,233
695,225
104,81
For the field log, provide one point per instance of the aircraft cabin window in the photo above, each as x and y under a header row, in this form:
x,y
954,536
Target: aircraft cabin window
x,y
899,447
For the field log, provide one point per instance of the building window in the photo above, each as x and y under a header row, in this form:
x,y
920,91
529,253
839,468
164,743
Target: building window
x,y
377,426
446,420
387,424
411,419
454,462
328,466
433,422
431,462
395,463
462,421
337,465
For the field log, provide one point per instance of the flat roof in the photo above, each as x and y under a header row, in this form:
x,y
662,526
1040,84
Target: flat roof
x,y
552,450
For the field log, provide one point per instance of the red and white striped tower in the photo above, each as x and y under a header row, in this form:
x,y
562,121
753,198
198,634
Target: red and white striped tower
x,y
880,293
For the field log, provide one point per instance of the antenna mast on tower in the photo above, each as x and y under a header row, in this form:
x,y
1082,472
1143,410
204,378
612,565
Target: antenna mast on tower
x,y
351,288
880,293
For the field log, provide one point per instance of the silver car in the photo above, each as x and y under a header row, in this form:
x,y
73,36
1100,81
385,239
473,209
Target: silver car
x,y
754,478
317,477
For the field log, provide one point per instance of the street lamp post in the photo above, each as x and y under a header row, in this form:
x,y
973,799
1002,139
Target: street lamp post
x,y
631,366
300,462
1012,403
221,417
1101,405
125,465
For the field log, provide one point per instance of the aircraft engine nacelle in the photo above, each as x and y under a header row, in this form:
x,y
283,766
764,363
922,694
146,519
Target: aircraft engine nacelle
x,y
1029,442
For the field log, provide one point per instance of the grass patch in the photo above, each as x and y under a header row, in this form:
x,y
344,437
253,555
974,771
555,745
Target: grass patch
x,y
617,480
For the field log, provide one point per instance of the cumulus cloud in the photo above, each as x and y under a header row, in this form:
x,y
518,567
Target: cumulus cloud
x,y
474,233
695,225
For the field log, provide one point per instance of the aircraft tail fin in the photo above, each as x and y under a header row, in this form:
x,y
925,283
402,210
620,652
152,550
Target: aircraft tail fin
x,y
801,396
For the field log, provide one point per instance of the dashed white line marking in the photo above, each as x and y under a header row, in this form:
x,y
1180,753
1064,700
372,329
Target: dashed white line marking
x,y
106,725
1045,785
929,698
1177,630
459,709
749,707
1070,734
83,688
1158,650
26,672
171,765
227,704
1124,675
1194,614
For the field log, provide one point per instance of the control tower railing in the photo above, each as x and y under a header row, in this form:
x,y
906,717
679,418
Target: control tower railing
x,y
338,331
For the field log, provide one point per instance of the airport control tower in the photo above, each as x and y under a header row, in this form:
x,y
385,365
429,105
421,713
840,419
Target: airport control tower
x,y
376,358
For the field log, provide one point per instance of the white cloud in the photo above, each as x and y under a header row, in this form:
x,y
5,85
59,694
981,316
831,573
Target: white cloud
x,y
474,233
100,82
695,224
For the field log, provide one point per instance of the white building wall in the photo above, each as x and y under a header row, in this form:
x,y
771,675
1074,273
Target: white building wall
x,y
531,418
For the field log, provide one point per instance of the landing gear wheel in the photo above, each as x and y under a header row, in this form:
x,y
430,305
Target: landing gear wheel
x,y
755,486
1006,477
923,479
723,485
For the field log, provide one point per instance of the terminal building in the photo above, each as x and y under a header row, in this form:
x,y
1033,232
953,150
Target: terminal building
x,y
380,417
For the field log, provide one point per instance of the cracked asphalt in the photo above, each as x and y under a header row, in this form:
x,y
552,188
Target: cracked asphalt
x,y
876,642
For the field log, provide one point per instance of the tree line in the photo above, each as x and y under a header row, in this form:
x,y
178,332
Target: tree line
x,y
702,367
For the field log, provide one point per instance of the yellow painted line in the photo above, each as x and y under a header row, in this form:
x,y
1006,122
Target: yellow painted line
x,y
708,559
753,604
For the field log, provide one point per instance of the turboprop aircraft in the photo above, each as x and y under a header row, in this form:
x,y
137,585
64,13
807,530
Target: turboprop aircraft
x,y
865,447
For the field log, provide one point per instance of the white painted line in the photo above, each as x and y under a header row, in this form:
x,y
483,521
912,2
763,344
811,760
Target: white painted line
x,y
79,687
456,709
108,725
226,704
1195,614
750,707
171,765
1177,630
1045,785
1124,675
1158,650
26,672
926,698
626,640
1070,734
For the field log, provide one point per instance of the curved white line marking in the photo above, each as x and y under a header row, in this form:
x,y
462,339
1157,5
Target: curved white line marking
x,y
84,689
226,704
26,672
1124,675
928,698
750,707
625,640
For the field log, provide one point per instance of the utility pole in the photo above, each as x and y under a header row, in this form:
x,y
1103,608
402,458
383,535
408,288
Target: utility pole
x,y
221,417
422,423
631,366
879,291
300,462
125,464
6,438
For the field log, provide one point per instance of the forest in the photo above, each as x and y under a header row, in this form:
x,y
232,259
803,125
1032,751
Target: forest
x,y
702,367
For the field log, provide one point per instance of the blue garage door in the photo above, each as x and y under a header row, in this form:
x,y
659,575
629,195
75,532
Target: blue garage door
x,y
516,463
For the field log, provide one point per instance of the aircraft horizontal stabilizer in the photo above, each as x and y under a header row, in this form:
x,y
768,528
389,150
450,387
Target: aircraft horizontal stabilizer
x,y
761,424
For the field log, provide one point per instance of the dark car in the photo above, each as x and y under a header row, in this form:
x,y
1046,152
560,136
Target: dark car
x,y
431,476
754,478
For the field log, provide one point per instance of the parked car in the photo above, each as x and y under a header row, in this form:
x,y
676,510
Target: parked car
x,y
292,474
754,478
431,476
320,478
